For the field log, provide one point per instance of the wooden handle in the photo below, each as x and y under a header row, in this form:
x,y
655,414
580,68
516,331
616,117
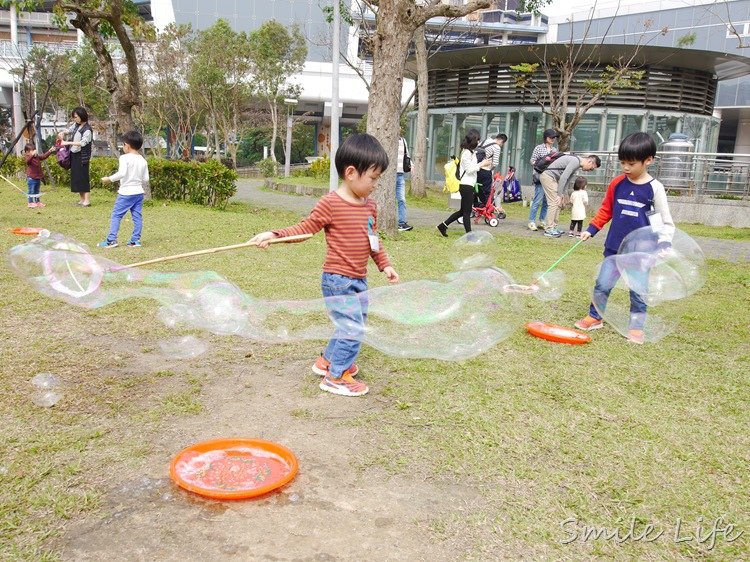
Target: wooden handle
x,y
295,238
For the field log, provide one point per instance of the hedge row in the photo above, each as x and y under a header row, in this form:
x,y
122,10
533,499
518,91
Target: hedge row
x,y
203,183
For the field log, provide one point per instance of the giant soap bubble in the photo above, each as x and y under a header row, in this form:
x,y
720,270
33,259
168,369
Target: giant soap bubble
x,y
456,318
639,287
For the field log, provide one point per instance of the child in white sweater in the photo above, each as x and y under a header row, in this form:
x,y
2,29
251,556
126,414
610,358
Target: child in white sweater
x,y
132,174
579,199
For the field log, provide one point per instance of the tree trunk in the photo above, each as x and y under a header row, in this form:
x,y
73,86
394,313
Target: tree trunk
x,y
419,153
275,121
390,47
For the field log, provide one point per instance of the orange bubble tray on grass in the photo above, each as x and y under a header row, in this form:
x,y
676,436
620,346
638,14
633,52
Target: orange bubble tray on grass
x,y
557,334
233,469
26,230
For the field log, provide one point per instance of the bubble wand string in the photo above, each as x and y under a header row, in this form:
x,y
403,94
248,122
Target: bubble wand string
x,y
554,265
14,185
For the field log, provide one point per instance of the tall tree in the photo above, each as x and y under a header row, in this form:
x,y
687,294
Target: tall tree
x,y
276,53
395,24
171,101
219,77
100,21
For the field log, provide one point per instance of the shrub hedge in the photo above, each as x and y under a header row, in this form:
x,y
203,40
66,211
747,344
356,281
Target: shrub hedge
x,y
203,183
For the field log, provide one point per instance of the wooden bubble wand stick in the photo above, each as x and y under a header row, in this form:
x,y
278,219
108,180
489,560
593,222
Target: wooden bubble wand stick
x,y
295,238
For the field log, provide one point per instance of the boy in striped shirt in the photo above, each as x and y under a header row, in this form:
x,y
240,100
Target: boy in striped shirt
x,y
349,218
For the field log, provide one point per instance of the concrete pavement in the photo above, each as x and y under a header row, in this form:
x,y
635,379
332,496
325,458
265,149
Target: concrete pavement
x,y
250,191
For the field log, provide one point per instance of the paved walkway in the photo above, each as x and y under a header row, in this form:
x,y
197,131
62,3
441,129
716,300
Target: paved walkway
x,y
250,191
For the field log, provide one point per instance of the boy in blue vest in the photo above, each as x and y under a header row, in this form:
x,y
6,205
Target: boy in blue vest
x,y
632,201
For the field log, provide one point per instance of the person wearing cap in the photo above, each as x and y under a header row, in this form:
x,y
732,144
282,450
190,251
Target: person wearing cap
x,y
539,200
492,147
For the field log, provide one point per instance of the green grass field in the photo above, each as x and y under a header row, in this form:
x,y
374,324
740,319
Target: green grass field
x,y
600,435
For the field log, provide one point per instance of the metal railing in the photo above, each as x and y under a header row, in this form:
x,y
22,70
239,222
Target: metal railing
x,y
688,174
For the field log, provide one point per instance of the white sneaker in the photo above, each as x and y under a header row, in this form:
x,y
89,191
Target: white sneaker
x,y
532,226
544,225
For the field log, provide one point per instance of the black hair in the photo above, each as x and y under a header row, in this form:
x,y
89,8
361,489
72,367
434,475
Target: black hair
x,y
471,140
134,139
81,112
503,137
637,146
362,151
596,159
580,183
28,147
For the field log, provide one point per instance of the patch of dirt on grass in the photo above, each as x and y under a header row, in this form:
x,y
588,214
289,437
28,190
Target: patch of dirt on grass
x,y
330,511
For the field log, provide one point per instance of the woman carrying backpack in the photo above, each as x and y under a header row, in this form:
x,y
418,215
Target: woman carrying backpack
x,y
80,154
467,175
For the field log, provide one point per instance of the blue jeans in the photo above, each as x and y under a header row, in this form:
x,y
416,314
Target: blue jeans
x,y
606,281
539,199
33,186
346,299
401,197
123,204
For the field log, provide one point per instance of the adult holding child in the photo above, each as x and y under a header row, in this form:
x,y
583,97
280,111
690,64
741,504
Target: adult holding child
x,y
555,179
80,143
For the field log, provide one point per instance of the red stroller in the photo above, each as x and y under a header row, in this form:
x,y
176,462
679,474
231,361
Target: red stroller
x,y
492,210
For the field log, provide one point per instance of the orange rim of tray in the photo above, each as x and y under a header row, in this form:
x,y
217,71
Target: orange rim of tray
x,y
26,230
557,334
271,466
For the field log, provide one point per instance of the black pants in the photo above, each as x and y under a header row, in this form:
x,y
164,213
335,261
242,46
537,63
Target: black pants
x,y
484,177
574,224
467,199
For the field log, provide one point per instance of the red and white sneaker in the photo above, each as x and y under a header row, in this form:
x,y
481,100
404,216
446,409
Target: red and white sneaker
x,y
636,336
344,386
588,323
321,365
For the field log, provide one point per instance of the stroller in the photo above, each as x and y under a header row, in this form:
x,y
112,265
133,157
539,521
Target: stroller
x,y
492,210
511,187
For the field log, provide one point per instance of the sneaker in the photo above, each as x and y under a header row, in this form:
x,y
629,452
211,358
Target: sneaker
x,y
31,205
40,204
404,227
544,225
320,367
636,336
532,226
107,244
135,244
571,234
443,229
588,323
344,386
552,233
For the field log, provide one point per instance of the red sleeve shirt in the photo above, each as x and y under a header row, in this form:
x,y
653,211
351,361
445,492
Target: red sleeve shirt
x,y
346,227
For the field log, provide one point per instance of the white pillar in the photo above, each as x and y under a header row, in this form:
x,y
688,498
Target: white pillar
x,y
18,122
742,139
288,153
334,181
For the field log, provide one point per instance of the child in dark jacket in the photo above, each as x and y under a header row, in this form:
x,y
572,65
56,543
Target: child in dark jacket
x,y
34,173
628,203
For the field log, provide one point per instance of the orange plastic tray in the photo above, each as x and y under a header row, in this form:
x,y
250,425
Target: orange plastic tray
x,y
26,230
233,469
555,333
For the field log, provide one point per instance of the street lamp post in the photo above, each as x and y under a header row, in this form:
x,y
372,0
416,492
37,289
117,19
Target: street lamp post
x,y
290,103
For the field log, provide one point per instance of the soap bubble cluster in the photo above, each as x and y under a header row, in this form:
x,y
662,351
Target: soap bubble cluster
x,y
183,347
47,390
456,318
640,286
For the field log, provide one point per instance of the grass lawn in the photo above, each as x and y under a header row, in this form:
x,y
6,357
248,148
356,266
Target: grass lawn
x,y
554,438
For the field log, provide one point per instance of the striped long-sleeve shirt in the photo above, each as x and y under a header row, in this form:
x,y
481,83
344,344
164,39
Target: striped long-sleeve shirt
x,y
347,226
539,151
